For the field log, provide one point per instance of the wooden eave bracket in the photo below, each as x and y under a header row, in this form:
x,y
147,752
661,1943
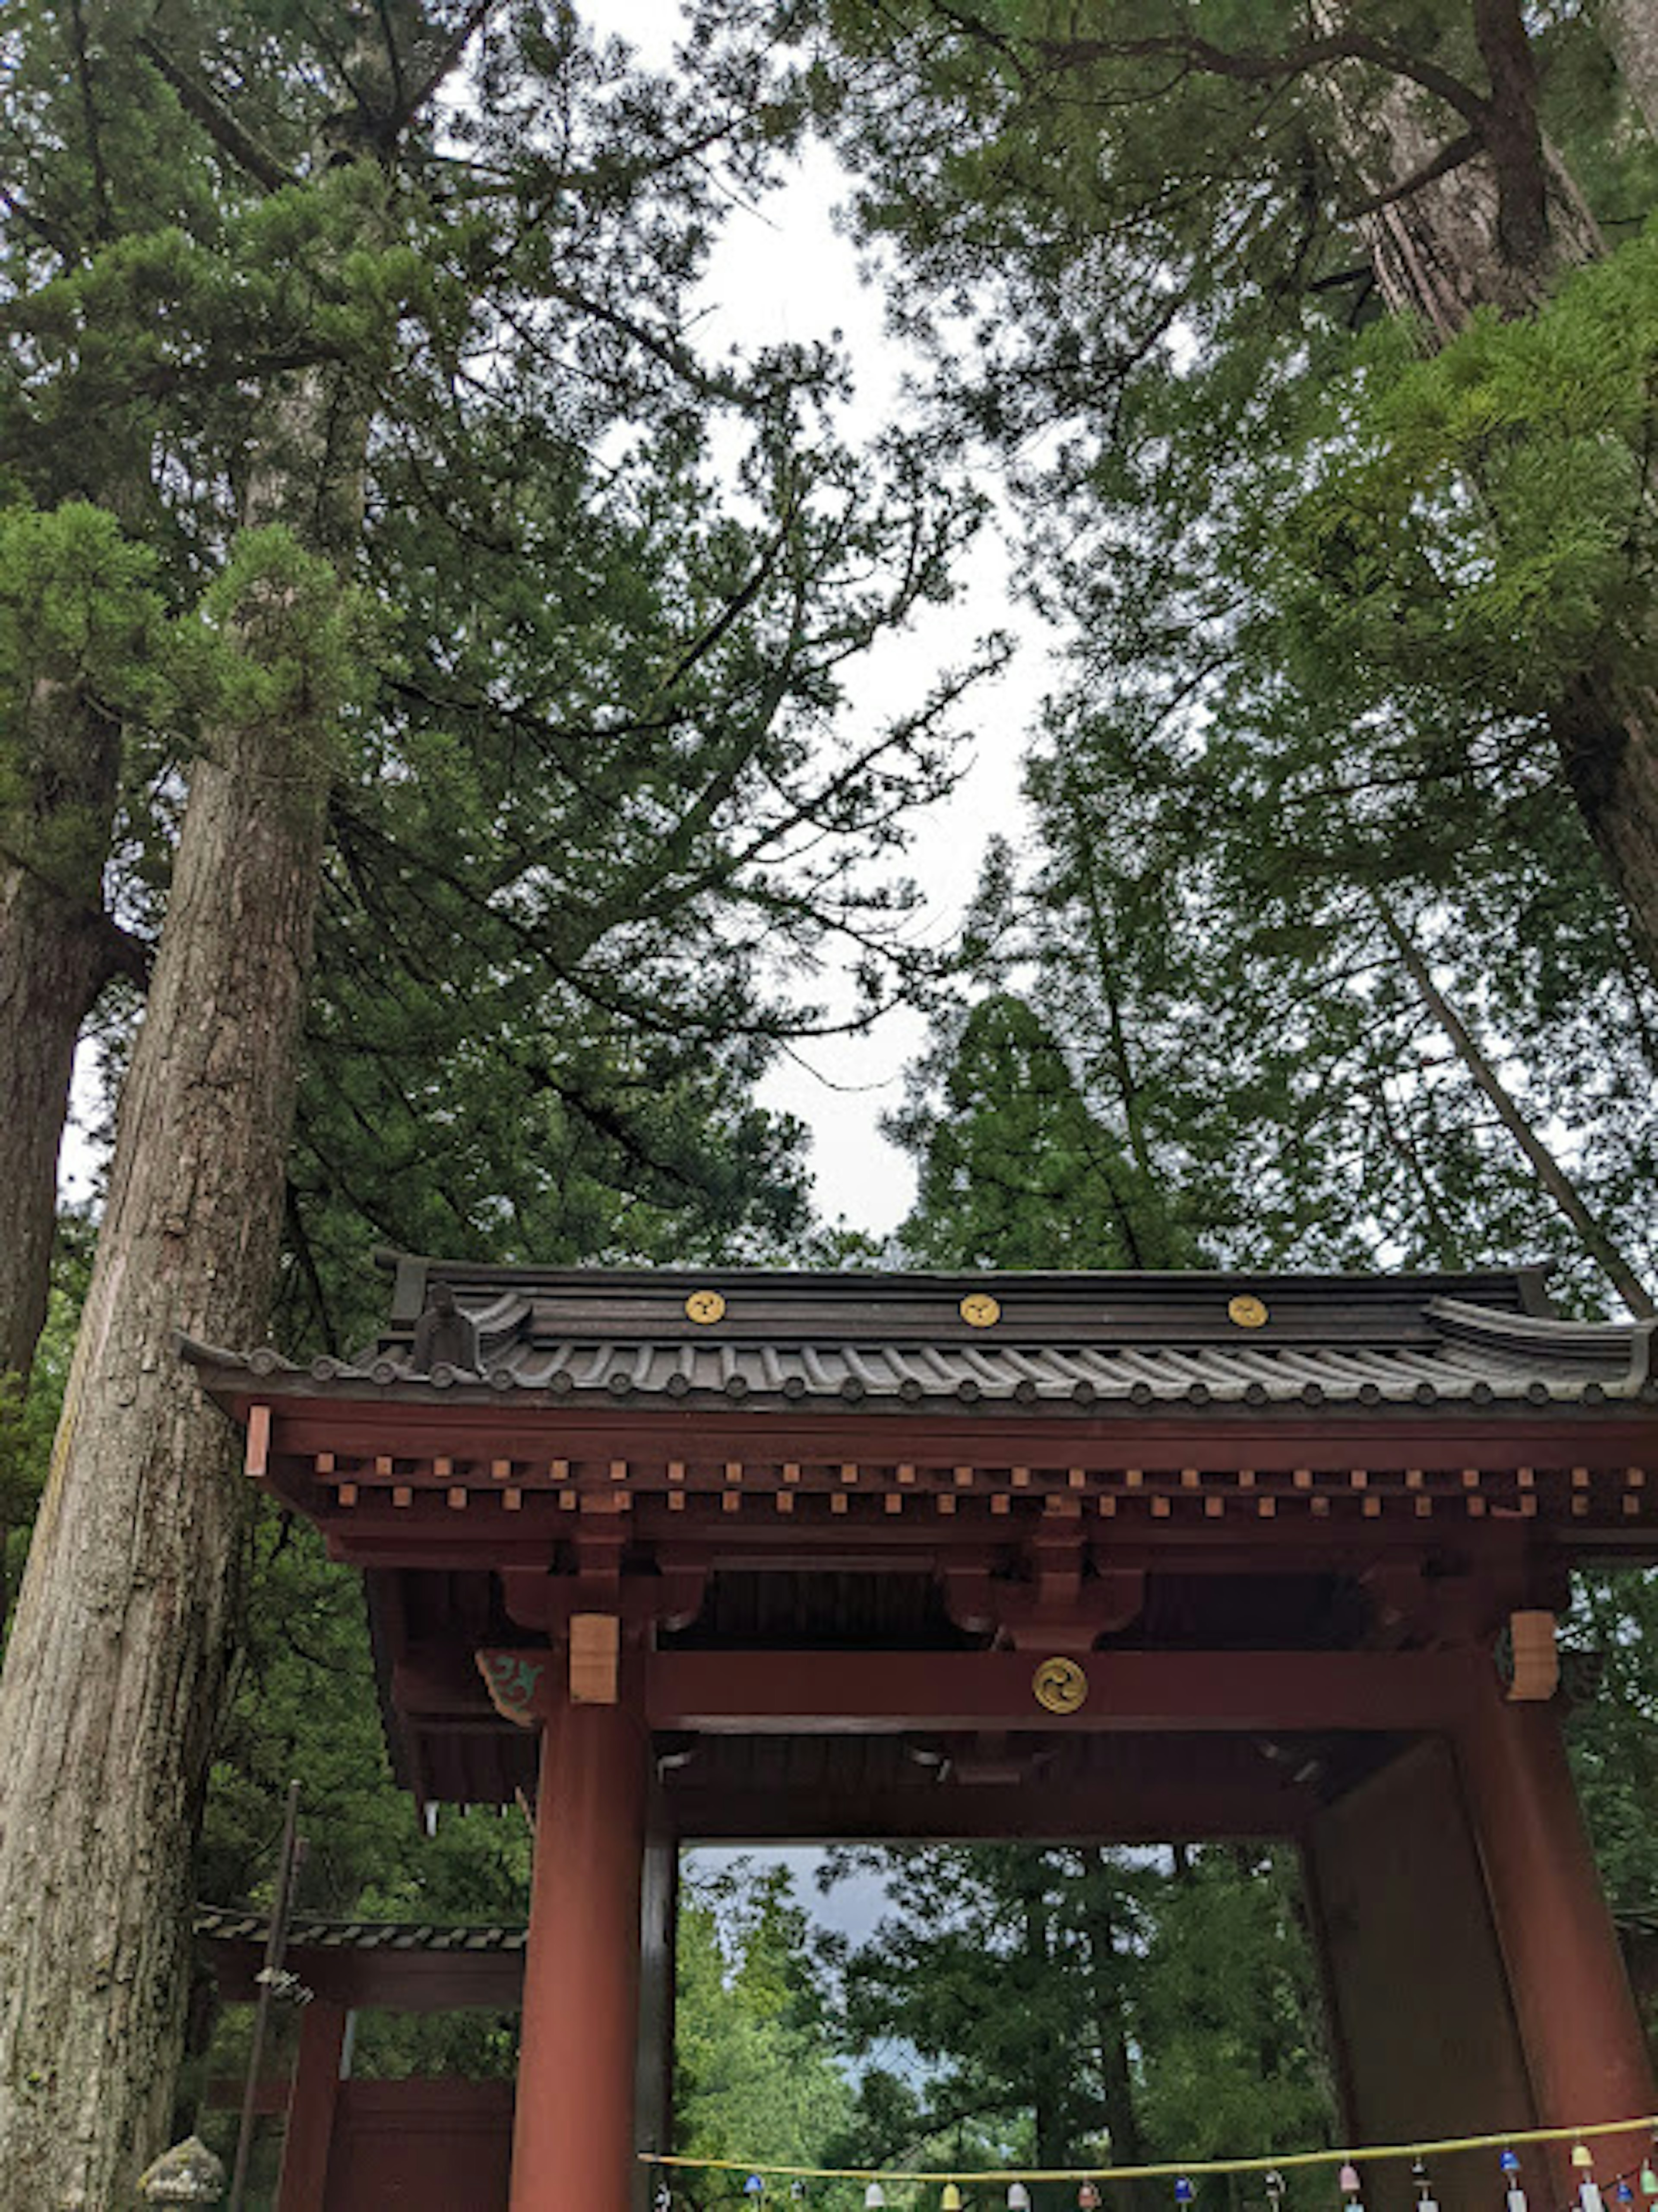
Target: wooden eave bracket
x,y
521,1684
1060,1609
536,1598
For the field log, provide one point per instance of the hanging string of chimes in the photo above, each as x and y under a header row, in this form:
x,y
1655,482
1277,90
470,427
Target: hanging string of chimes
x,y
1591,2196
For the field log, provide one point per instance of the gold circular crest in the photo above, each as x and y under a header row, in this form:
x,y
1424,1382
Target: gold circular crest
x,y
1060,1685
1247,1312
979,1310
705,1306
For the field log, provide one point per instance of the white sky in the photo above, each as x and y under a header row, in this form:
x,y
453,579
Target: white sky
x,y
781,272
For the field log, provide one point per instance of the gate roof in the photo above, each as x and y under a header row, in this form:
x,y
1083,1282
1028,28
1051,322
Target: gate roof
x,y
903,1462
1101,1342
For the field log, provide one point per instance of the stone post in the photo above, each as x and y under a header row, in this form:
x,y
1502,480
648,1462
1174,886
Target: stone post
x,y
189,2173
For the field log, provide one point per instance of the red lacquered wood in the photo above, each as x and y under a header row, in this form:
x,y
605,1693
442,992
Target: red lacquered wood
x,y
573,2141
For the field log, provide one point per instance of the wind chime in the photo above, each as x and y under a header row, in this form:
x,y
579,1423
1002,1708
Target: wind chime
x,y
1591,2197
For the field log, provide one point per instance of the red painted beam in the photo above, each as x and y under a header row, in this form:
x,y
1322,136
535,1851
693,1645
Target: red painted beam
x,y
1276,1437
390,1980
778,1693
309,2134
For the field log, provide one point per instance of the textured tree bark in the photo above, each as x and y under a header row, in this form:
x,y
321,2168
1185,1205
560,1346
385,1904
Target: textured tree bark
x,y
115,1670
58,950
118,1658
1630,28
1607,736
1444,245
50,969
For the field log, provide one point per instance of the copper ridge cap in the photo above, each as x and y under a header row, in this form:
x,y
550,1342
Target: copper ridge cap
x,y
1527,1278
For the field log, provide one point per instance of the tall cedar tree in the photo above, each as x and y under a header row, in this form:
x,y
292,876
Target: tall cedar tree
x,y
1061,1996
1084,210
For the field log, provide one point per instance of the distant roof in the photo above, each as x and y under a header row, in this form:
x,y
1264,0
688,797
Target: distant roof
x,y
223,1925
402,1966
896,1341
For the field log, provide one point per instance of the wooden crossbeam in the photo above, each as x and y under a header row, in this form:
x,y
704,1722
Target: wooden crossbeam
x,y
1128,1692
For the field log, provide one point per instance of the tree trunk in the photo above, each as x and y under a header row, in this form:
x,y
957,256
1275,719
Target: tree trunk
x,y
1444,245
1111,2031
58,950
1607,736
117,1666
118,1660
54,961
1630,28
1552,1177
50,972
1447,245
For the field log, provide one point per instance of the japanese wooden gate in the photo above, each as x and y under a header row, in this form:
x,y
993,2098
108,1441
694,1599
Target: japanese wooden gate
x,y
741,1555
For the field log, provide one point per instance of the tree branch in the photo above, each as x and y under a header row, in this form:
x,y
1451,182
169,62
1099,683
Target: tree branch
x,y
1454,156
1514,131
412,102
200,101
1254,66
90,113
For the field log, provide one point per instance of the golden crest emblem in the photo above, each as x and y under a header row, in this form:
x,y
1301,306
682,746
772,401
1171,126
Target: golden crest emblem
x,y
1060,1686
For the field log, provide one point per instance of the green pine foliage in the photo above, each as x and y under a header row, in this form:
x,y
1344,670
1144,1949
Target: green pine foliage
x,y
757,2075
1322,597
1083,2006
598,809
1015,1171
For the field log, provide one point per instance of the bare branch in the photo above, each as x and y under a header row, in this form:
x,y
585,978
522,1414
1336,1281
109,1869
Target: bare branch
x,y
199,101
1460,151
90,113
1251,65
411,101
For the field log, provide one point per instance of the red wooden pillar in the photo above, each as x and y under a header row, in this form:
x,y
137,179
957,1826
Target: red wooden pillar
x,y
1584,2047
572,2136
311,2104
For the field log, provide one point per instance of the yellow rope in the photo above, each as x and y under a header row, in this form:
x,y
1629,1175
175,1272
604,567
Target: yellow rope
x,y
1168,2171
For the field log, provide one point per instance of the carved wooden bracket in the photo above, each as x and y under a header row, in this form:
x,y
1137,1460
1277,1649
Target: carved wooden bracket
x,y
537,1599
1061,1608
514,1680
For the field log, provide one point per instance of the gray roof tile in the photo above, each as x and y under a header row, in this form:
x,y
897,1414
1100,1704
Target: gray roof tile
x,y
891,1341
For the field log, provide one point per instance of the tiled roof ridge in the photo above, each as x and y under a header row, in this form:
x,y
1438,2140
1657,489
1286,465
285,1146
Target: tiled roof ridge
x,y
1519,1284
226,1923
